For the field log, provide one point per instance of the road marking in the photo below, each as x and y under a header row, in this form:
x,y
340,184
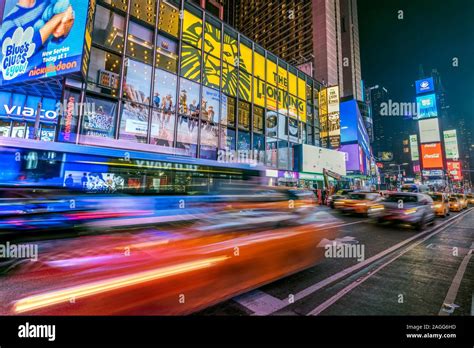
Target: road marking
x,y
329,302
456,283
259,302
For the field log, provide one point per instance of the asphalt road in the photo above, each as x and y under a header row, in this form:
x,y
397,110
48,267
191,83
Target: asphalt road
x,y
403,272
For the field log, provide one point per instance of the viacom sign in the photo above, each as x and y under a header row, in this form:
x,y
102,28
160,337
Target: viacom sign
x,y
424,86
29,113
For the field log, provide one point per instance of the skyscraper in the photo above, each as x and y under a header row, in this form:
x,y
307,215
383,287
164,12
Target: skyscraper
x,y
319,36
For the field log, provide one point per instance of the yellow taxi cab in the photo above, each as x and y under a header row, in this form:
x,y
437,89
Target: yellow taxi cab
x,y
363,203
440,203
454,204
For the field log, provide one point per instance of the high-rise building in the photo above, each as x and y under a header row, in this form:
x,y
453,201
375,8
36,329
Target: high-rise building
x,y
321,36
383,139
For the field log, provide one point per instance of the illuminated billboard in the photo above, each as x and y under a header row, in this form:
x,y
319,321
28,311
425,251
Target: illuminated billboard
x,y
424,85
353,160
329,117
426,106
429,131
451,144
454,170
431,156
315,159
415,154
45,39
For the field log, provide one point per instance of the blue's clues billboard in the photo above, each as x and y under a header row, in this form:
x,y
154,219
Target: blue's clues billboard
x,y
44,39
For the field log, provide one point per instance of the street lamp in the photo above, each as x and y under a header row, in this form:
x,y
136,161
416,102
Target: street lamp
x,y
399,178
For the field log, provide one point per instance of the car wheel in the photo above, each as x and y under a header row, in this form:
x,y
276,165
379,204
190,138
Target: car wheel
x,y
420,225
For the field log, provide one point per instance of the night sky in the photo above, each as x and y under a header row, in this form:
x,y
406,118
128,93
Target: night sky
x,y
431,33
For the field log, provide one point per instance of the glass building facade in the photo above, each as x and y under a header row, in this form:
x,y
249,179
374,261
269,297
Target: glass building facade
x,y
167,77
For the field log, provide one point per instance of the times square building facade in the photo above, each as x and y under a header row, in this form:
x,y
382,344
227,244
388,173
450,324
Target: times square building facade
x,y
167,77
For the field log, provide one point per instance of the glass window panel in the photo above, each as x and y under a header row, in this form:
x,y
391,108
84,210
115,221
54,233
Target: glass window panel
x,y
229,79
144,10
212,71
100,121
209,140
108,29
134,122
293,84
245,86
140,42
271,153
282,127
119,4
5,127
259,148
283,154
18,129
244,115
166,53
258,117
227,138
293,130
189,99
245,62
191,62
164,96
210,105
271,124
47,132
301,89
212,40
162,127
230,50
243,146
259,66
192,29
271,72
259,92
228,112
104,72
168,20
301,110
137,82
188,135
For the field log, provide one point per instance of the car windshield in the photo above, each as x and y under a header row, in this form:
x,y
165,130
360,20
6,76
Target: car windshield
x,y
437,198
470,196
358,196
404,198
452,199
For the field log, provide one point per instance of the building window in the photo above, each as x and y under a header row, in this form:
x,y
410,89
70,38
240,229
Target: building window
x,y
189,98
259,148
100,121
162,127
166,54
258,117
191,62
134,122
244,115
228,111
137,82
210,105
104,72
209,140
168,19
108,29
271,153
119,4
144,10
140,43
164,95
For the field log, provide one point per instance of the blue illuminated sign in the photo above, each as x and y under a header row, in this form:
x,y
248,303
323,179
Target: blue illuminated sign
x,y
44,39
426,106
425,85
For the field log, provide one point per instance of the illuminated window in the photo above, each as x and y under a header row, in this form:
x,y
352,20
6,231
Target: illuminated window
x,y
245,86
258,117
144,10
140,43
212,40
104,72
212,71
168,20
137,82
108,29
134,122
192,29
191,62
244,115
166,53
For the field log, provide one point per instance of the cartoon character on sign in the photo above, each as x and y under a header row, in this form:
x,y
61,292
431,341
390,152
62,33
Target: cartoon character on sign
x,y
26,30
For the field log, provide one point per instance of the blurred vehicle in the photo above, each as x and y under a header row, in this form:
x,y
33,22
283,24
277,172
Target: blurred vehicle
x,y
462,199
172,271
415,209
364,203
441,203
455,204
414,188
341,194
470,198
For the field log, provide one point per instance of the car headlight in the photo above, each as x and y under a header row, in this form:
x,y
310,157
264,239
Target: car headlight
x,y
437,206
410,211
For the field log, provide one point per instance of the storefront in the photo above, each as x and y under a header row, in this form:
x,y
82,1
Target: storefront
x,y
155,80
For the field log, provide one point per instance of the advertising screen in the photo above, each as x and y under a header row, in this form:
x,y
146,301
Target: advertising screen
x,y
45,39
429,131
454,170
352,157
349,126
315,159
431,156
426,106
424,85
451,144
415,154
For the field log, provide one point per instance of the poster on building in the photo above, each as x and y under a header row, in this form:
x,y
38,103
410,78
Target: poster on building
x,y
431,156
329,117
99,121
454,170
45,38
451,144
415,155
